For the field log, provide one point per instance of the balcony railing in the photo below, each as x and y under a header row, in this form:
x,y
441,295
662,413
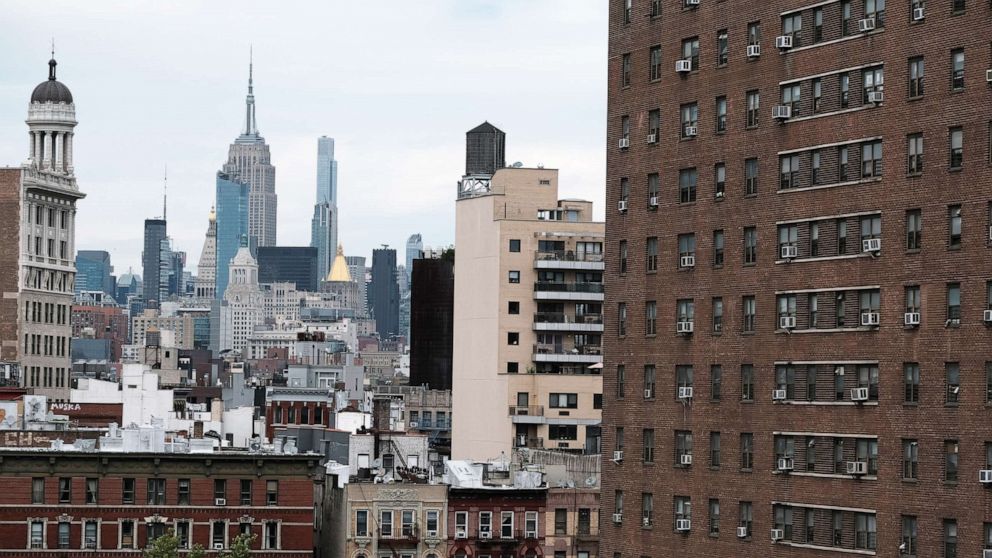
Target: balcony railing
x,y
567,256
569,287
561,318
546,349
528,442
527,410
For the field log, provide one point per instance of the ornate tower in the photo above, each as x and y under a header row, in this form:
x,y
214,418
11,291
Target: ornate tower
x,y
206,271
51,120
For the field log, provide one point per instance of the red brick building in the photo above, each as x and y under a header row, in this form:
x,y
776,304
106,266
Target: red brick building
x,y
107,322
496,521
799,205
110,504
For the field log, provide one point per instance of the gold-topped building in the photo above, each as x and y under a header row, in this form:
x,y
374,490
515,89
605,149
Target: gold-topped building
x,y
340,283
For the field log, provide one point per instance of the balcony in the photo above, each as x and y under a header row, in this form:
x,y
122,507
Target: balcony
x,y
528,442
434,425
554,321
586,354
568,259
527,414
568,291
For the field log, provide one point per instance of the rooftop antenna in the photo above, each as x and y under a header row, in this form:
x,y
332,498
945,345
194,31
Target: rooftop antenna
x,y
53,47
165,192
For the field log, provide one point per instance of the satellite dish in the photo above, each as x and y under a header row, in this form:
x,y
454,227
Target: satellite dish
x,y
517,165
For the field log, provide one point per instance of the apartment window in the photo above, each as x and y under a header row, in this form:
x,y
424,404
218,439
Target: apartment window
x,y
721,114
909,534
561,521
814,239
245,492
127,534
813,308
957,69
127,491
750,245
685,310
783,520
785,379
791,97
792,25
747,382
690,119
512,307
754,33
745,512
271,493
839,463
626,11
718,248
683,507
563,400
461,522
957,6
530,522
952,383
625,70
988,384
511,368
65,490
814,173
916,72
717,314
910,459
845,17
751,176
37,534
722,49
512,338
651,249
621,319
687,249
683,376
911,374
714,449
655,61
38,490
270,538
872,80
687,185
950,460
647,446
621,380
865,531
714,517
649,381
841,237
914,153
719,180
650,318
406,523
618,502
954,226
810,458
624,189
622,257
92,490
845,90
876,9
514,276
747,451
386,522
655,8
654,126
871,159
753,106
789,177
514,245
647,509
748,312
950,538
156,492
956,135
842,155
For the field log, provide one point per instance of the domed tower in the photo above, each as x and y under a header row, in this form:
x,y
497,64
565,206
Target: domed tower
x,y
51,120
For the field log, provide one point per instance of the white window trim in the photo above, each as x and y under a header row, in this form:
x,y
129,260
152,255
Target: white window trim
x,y
368,524
826,145
265,537
44,531
227,533
512,518
82,531
175,525
120,533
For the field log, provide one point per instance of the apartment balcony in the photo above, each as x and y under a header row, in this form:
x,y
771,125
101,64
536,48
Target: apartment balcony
x,y
527,414
585,354
568,259
528,442
569,291
433,425
554,321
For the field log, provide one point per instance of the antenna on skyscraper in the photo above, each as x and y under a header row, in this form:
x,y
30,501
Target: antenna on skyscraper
x,y
165,192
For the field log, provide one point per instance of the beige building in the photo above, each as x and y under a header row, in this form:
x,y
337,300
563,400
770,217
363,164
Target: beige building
x,y
528,317
180,325
399,519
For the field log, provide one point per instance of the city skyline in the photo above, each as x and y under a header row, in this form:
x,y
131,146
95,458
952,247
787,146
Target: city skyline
x,y
302,94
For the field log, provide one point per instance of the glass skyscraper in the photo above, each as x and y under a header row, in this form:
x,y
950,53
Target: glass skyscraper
x,y
324,226
232,224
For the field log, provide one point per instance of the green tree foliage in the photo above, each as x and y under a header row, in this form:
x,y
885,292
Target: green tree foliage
x,y
240,548
167,546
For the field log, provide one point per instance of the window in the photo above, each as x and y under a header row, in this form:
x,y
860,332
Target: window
x,y
584,521
749,310
38,490
717,316
386,522
685,310
563,400
789,172
647,445
406,523
649,381
514,245
690,120
954,226
647,509
64,529
461,522
621,319
514,276
245,492
690,52
957,6
914,153
950,461
127,534
910,459
864,531
988,384
785,379
871,159
621,380
813,308
654,126
747,451
561,521
841,237
683,507
957,69
718,248
625,70
512,338
719,180
721,114
512,307
622,257
65,490
655,61
950,538
810,458
747,382
751,176
876,9
624,189
156,492
916,77
687,185
714,449
655,8
814,173
792,25
271,493
683,376
722,50
650,318
750,245
814,239
506,525
714,516
754,33
626,11
220,488
651,249
783,520
909,533
687,249
511,368
127,491
911,374
845,90
956,136
745,517
563,432
791,97
952,382
842,154
37,534
271,535
872,80
845,17
753,106
92,490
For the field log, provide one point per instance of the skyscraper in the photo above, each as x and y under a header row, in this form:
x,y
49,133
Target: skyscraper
x,y
359,274
288,264
242,307
151,261
385,293
249,161
432,301
206,271
94,272
232,225
414,248
324,226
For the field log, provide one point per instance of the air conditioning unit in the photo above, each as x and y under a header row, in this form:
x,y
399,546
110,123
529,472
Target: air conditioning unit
x,y
787,322
782,112
838,370
461,534
530,534
742,532
857,467
218,546
778,534
653,201
683,327
682,525
919,14
90,544
622,205
985,476
414,424
859,394
867,24
783,41
624,143
687,261
988,76
987,316
648,393
618,455
778,395
646,521
618,518
986,553
719,195
653,137
683,66
220,501
912,318
753,51
870,318
790,251
685,393
691,3
485,535
871,245
876,97
785,464
431,534
691,131
685,459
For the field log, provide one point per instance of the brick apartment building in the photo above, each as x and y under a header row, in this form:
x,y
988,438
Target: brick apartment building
x,y
107,322
799,202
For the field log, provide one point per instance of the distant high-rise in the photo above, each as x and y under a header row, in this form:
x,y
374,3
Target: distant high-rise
x,y
359,273
324,226
432,301
288,264
94,272
242,307
385,294
151,261
249,161
206,271
232,225
485,150
414,247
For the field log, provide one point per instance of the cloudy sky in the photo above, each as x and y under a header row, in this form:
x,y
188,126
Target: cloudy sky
x,y
396,84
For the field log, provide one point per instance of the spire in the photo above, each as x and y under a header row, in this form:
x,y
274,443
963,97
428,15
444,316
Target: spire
x,y
165,193
251,129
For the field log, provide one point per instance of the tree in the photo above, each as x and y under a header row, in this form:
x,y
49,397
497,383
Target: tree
x,y
240,548
167,546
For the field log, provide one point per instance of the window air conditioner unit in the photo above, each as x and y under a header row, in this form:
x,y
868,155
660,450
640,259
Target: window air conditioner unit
x,y
839,370
988,76
783,41
461,534
530,535
859,394
985,476
682,525
685,459
90,544
646,521
683,66
876,97
785,464
919,14
414,424
987,316
687,261
781,112
485,534
431,534
870,318
867,24
857,467
691,3
218,546
653,137
618,455
690,131
685,393
986,553
990,227
648,393
778,534
653,201
719,195
787,322
790,251
220,501
912,318
753,51
624,143
618,518
683,327
778,395
871,245
742,532
622,205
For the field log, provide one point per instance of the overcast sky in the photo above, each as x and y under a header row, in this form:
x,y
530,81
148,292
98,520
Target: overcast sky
x,y
397,84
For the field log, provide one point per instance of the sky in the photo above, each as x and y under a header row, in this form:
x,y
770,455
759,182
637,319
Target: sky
x,y
397,84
